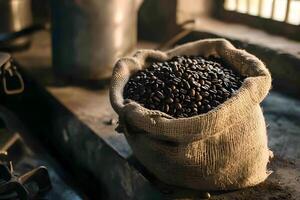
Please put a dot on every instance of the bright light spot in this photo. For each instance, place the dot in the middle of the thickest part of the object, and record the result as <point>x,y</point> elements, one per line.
<point>242,6</point>
<point>280,10</point>
<point>266,8</point>
<point>294,14</point>
<point>230,5</point>
<point>253,7</point>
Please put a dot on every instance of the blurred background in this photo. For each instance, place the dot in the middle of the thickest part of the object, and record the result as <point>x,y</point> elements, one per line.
<point>57,58</point>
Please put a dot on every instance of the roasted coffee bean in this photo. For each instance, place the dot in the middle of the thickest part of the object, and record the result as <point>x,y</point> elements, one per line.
<point>187,85</point>
<point>207,107</point>
<point>213,91</point>
<point>182,96</point>
<point>204,93</point>
<point>184,86</point>
<point>192,93</point>
<point>201,81</point>
<point>166,108</point>
<point>198,97</point>
<point>206,101</point>
<point>160,95</point>
<point>183,91</point>
<point>177,80</point>
<point>156,99</point>
<point>169,100</point>
<point>178,106</point>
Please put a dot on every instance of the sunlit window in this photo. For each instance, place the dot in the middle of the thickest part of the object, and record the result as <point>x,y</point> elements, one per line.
<point>294,14</point>
<point>280,10</point>
<point>242,6</point>
<point>266,8</point>
<point>280,7</point>
<point>254,8</point>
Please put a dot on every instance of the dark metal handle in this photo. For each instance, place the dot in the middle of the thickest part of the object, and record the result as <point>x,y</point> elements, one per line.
<point>14,91</point>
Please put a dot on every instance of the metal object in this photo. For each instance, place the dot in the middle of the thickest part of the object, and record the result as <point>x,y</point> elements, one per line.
<point>21,165</point>
<point>28,186</point>
<point>24,32</point>
<point>184,32</point>
<point>89,36</point>
<point>15,16</point>
<point>8,71</point>
<point>13,186</point>
<point>158,20</point>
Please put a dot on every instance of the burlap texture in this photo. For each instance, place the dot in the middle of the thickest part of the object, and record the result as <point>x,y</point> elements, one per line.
<point>223,149</point>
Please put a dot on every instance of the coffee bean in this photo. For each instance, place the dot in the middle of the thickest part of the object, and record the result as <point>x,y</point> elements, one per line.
<point>169,91</point>
<point>156,99</point>
<point>183,91</point>
<point>169,100</point>
<point>206,101</point>
<point>206,94</point>
<point>184,86</point>
<point>178,106</point>
<point>213,91</point>
<point>198,97</point>
<point>201,81</point>
<point>226,94</point>
<point>205,87</point>
<point>177,80</point>
<point>208,107</point>
<point>166,108</point>
<point>160,95</point>
<point>182,96</point>
<point>187,85</point>
<point>153,77</point>
<point>192,92</point>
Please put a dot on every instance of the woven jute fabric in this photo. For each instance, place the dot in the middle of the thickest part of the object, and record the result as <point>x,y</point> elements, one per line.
<point>223,149</point>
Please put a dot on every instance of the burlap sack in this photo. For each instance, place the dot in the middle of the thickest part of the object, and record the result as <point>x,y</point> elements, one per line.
<point>225,148</point>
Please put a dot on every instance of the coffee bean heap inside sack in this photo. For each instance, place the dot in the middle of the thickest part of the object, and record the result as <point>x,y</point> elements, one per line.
<point>183,86</point>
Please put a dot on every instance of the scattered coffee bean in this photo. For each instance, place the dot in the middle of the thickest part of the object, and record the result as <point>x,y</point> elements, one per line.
<point>184,86</point>
<point>111,121</point>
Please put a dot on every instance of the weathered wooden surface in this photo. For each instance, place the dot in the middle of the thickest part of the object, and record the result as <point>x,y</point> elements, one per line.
<point>91,111</point>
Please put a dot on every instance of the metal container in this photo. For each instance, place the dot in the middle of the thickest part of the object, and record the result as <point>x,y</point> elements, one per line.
<point>89,35</point>
<point>15,16</point>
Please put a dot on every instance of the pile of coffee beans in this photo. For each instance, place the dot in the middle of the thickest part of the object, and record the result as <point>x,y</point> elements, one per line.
<point>183,86</point>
